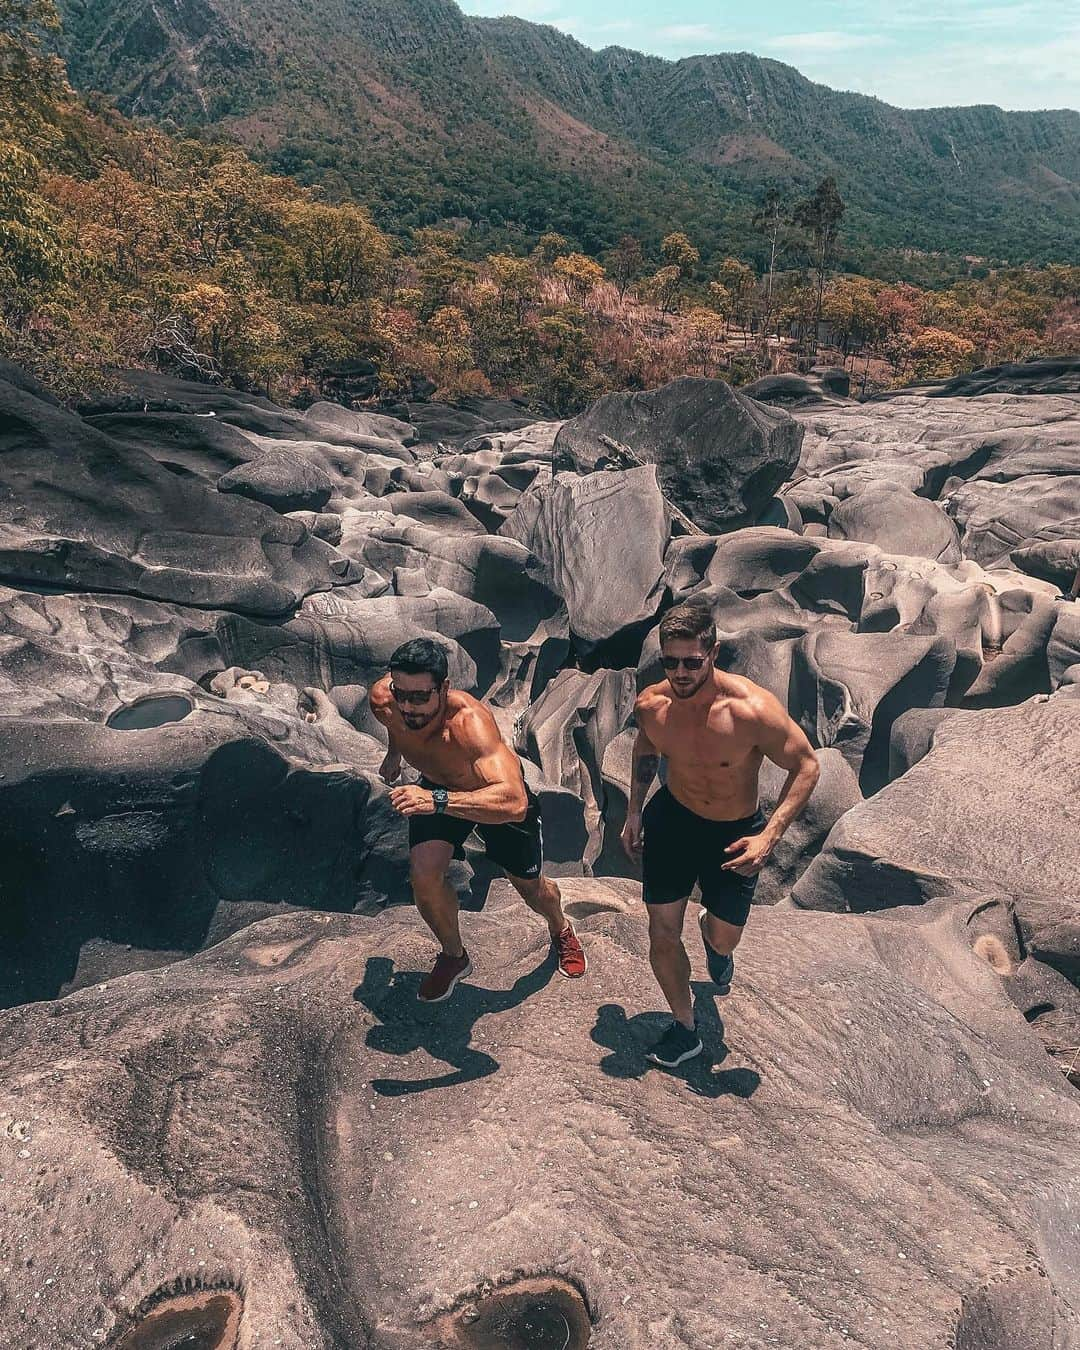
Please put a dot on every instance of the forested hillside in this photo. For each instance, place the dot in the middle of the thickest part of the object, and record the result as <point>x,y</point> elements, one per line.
<point>511,128</point>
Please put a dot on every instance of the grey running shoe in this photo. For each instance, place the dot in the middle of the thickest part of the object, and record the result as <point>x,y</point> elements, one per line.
<point>721,968</point>
<point>677,1044</point>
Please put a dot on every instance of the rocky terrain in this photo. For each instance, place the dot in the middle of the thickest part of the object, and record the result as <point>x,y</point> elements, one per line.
<point>225,1123</point>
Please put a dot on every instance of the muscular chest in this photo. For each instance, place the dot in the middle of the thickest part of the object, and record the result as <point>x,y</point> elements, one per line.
<point>706,743</point>
<point>437,758</point>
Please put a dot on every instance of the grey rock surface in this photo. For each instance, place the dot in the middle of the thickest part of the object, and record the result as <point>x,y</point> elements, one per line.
<point>988,807</point>
<point>602,538</point>
<point>924,1161</point>
<point>719,456</point>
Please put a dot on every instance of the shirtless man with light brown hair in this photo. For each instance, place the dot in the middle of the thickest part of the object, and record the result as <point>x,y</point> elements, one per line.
<point>704,826</point>
<point>471,779</point>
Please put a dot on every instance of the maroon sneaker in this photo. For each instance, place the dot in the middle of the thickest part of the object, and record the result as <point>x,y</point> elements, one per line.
<point>445,973</point>
<point>572,960</point>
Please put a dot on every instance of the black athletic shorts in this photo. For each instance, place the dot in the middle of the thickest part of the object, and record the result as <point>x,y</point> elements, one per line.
<point>517,846</point>
<point>681,848</point>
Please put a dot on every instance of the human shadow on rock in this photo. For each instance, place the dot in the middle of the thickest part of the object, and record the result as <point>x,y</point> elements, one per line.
<point>628,1039</point>
<point>443,1030</point>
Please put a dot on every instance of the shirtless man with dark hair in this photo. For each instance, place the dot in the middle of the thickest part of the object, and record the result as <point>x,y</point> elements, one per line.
<point>470,779</point>
<point>704,825</point>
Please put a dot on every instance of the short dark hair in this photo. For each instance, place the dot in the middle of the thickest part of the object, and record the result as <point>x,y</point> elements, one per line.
<point>689,622</point>
<point>421,656</point>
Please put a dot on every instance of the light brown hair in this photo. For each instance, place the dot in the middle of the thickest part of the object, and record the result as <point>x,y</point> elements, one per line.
<point>689,623</point>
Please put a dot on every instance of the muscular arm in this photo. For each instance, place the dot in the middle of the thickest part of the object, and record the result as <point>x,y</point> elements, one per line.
<point>784,742</point>
<point>502,799</point>
<point>381,702</point>
<point>644,764</point>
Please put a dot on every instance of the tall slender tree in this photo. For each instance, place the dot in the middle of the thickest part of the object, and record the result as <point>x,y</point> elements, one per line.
<point>820,216</point>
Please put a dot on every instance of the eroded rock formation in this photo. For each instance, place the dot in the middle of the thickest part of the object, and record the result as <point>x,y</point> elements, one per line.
<point>224,1120</point>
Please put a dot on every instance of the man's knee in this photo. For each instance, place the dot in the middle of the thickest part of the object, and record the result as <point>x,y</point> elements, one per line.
<point>665,933</point>
<point>428,880</point>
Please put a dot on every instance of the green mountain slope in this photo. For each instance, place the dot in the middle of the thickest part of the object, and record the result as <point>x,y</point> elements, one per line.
<point>432,116</point>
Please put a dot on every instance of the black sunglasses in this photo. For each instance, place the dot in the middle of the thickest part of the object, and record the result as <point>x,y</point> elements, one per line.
<point>411,697</point>
<point>690,662</point>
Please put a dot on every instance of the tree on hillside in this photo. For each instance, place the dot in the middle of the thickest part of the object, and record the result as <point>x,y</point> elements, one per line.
<point>741,284</point>
<point>769,220</point>
<point>438,267</point>
<point>580,276</point>
<point>339,257</point>
<point>662,288</point>
<point>820,216</point>
<point>549,247</point>
<point>31,84</point>
<point>677,251</point>
<point>627,261</point>
<point>708,330</point>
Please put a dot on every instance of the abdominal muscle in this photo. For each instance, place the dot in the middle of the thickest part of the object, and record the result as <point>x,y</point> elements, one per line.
<point>730,793</point>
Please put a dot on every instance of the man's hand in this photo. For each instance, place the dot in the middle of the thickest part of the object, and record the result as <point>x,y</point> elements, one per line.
<point>751,853</point>
<point>631,838</point>
<point>412,801</point>
<point>390,768</point>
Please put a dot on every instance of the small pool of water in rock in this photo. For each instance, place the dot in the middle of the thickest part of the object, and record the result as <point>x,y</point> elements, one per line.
<point>155,711</point>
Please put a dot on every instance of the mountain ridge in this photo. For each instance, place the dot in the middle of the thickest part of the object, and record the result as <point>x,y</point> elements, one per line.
<point>432,116</point>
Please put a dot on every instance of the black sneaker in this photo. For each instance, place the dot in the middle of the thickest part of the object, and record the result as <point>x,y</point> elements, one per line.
<point>721,968</point>
<point>675,1045</point>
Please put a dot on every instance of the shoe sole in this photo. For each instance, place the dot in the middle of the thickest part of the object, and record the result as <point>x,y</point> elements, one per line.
<point>721,989</point>
<point>674,1063</point>
<point>453,985</point>
<point>566,974</point>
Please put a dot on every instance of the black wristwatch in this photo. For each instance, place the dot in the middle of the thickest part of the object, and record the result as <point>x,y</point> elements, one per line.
<point>440,797</point>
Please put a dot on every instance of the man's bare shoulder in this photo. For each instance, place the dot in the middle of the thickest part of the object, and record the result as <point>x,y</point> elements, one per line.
<point>653,699</point>
<point>470,724</point>
<point>381,700</point>
<point>751,703</point>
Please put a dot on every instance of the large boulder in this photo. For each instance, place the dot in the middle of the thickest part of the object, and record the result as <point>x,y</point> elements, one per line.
<point>81,512</point>
<point>896,521</point>
<point>567,732</point>
<point>989,807</point>
<point>1048,375</point>
<point>470,625</point>
<point>602,538</point>
<point>283,481</point>
<point>275,1135</point>
<point>131,844</point>
<point>825,385</point>
<point>719,456</point>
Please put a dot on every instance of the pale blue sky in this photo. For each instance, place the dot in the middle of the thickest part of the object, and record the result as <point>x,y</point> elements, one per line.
<point>915,53</point>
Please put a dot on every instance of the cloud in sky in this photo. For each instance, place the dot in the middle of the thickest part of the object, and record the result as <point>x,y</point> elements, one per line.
<point>822,42</point>
<point>687,32</point>
<point>915,53</point>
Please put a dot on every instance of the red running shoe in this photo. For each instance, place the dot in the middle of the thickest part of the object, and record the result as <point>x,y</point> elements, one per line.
<point>445,974</point>
<point>572,960</point>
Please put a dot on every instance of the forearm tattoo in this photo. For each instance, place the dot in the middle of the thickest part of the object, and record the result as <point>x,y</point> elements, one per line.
<point>647,767</point>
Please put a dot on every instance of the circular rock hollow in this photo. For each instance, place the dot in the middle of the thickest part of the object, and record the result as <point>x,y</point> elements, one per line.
<point>535,1314</point>
<point>206,1319</point>
<point>153,711</point>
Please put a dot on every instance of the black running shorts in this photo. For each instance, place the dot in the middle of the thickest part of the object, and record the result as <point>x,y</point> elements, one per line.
<point>517,846</point>
<point>682,848</point>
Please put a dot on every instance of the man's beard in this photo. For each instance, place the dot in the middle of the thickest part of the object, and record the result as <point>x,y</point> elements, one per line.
<point>415,723</point>
<point>418,721</point>
<point>688,691</point>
